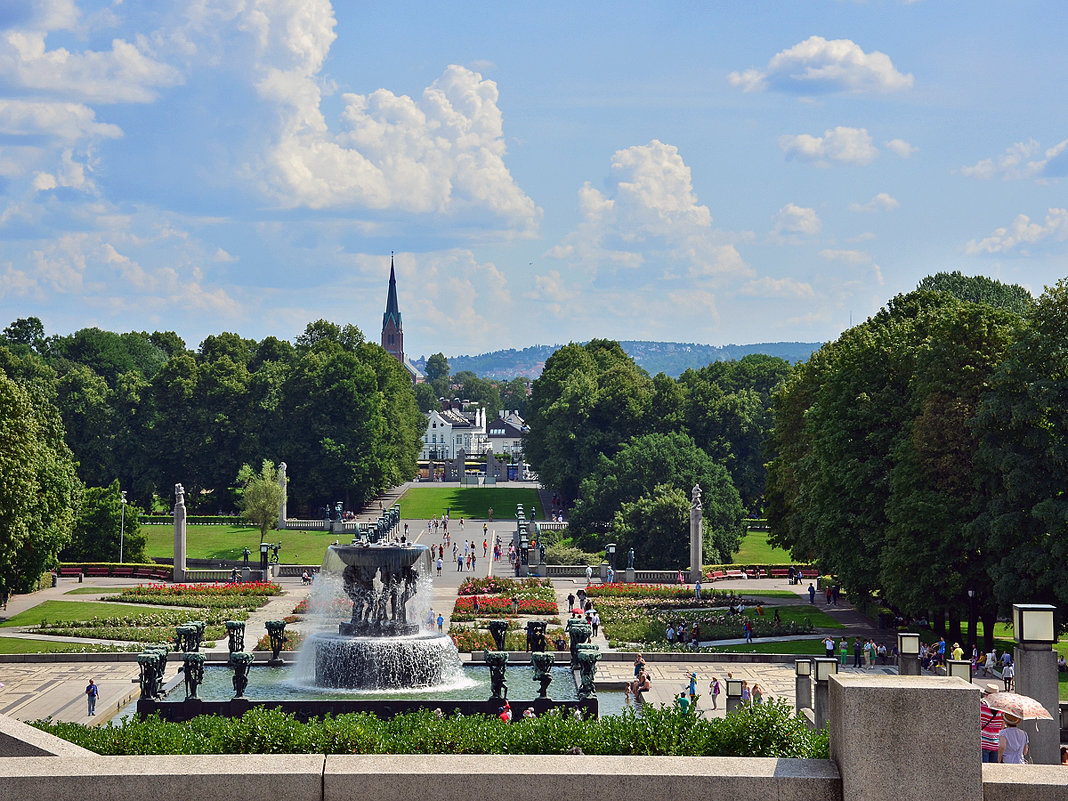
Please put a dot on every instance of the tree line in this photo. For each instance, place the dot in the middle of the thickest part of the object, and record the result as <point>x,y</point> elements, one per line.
<point>624,449</point>
<point>141,411</point>
<point>920,457</point>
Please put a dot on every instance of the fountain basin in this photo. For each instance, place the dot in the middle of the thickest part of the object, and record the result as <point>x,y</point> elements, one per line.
<point>380,663</point>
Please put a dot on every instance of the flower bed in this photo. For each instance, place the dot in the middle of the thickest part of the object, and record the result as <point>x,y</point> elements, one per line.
<point>474,640</point>
<point>292,642</point>
<point>626,621</point>
<point>659,591</point>
<point>496,606</point>
<point>251,595</point>
<point>522,588</point>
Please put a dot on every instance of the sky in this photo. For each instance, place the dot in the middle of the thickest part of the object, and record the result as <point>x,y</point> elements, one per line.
<point>721,173</point>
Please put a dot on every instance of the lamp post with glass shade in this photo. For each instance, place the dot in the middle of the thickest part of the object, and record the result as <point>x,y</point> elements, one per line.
<point>972,638</point>
<point>961,668</point>
<point>908,650</point>
<point>122,524</point>
<point>1036,675</point>
<point>825,668</point>
<point>803,684</point>
<point>734,694</point>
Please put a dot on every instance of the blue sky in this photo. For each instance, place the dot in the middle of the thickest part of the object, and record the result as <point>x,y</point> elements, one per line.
<point>546,172</point>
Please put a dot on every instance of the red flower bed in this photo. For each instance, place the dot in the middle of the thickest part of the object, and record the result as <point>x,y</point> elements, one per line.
<point>497,606</point>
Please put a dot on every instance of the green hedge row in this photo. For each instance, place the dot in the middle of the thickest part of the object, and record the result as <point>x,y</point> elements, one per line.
<point>195,520</point>
<point>766,730</point>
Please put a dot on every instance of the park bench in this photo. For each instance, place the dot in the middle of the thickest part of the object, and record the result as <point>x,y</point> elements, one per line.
<point>122,571</point>
<point>97,571</point>
<point>144,572</point>
<point>736,574</point>
<point>780,572</point>
<point>756,573</point>
<point>163,575</point>
<point>70,571</point>
<point>716,575</point>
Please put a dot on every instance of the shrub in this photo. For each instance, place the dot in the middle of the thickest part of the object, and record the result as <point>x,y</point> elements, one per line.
<point>766,730</point>
<point>568,555</point>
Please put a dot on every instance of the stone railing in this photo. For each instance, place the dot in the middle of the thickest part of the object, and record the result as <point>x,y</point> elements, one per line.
<point>320,525</point>
<point>870,761</point>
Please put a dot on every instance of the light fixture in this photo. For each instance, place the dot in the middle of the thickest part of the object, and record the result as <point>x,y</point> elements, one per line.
<point>908,644</point>
<point>1033,624</point>
<point>734,688</point>
<point>825,668</point>
<point>961,668</point>
<point>803,668</point>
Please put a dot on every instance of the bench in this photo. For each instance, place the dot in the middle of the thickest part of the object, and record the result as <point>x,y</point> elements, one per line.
<point>70,571</point>
<point>756,574</point>
<point>716,575</point>
<point>144,572</point>
<point>97,571</point>
<point>162,575</point>
<point>122,571</point>
<point>780,572</point>
<point>736,574</point>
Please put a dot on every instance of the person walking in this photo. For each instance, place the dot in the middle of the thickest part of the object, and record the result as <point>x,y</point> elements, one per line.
<point>92,691</point>
<point>714,691</point>
<point>858,653</point>
<point>811,593</point>
<point>1008,675</point>
<point>697,589</point>
<point>1012,741</point>
<point>589,575</point>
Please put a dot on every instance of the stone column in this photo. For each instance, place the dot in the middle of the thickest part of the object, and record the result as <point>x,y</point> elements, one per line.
<point>696,542</point>
<point>803,692</point>
<point>1036,676</point>
<point>822,706</point>
<point>908,665</point>
<point>283,482</point>
<point>896,737</point>
<point>179,533</point>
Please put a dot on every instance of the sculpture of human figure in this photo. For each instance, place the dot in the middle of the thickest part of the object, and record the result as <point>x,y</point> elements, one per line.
<point>179,495</point>
<point>247,554</point>
<point>696,494</point>
<point>630,559</point>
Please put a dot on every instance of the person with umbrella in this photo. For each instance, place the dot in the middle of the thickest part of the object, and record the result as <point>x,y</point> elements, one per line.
<point>1012,742</point>
<point>990,726</point>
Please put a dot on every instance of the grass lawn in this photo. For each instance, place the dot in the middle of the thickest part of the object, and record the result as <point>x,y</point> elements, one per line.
<point>228,542</point>
<point>94,591</point>
<point>18,645</point>
<point>796,614</point>
<point>756,551</point>
<point>470,502</point>
<point>53,611</point>
<point>813,646</point>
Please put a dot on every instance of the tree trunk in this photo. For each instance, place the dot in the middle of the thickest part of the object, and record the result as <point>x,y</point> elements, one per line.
<point>938,622</point>
<point>954,626</point>
<point>989,618</point>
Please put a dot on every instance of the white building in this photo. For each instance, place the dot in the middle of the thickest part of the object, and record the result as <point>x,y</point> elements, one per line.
<point>505,434</point>
<point>450,431</point>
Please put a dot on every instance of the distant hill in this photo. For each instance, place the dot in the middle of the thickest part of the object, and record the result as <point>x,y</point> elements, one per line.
<point>672,358</point>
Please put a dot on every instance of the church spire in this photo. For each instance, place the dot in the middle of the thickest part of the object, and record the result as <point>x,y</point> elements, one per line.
<point>392,308</point>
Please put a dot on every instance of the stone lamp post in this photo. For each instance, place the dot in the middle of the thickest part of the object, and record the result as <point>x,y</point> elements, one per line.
<point>803,684</point>
<point>825,668</point>
<point>1036,675</point>
<point>908,649</point>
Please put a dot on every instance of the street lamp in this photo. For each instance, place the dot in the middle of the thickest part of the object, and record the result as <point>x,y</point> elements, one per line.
<point>971,618</point>
<point>1033,624</point>
<point>908,650</point>
<point>122,524</point>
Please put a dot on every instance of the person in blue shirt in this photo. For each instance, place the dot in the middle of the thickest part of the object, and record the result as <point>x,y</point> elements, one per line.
<point>811,594</point>
<point>693,686</point>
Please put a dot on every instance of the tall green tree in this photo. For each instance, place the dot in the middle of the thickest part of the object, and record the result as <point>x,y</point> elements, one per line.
<point>657,527</point>
<point>261,495</point>
<point>669,459</point>
<point>39,489</point>
<point>102,529</point>
<point>1023,429</point>
<point>588,401</point>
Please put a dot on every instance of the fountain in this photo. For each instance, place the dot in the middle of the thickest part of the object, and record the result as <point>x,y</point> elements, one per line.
<point>387,642</point>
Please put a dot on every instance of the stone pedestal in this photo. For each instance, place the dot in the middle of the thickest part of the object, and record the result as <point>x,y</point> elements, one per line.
<point>629,578</point>
<point>246,574</point>
<point>282,481</point>
<point>934,733</point>
<point>1036,676</point>
<point>908,665</point>
<point>803,692</point>
<point>603,571</point>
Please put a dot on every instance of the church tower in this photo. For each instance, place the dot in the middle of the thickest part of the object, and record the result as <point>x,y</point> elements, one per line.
<point>392,329</point>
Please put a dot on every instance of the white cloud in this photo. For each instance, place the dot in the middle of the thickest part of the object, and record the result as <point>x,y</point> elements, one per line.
<point>1023,232</point>
<point>839,145</point>
<point>900,147</point>
<point>848,256</point>
<point>1023,160</point>
<point>124,74</point>
<point>818,65</point>
<point>881,202</point>
<point>768,287</point>
<point>68,121</point>
<point>792,219</point>
<point>648,217</point>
